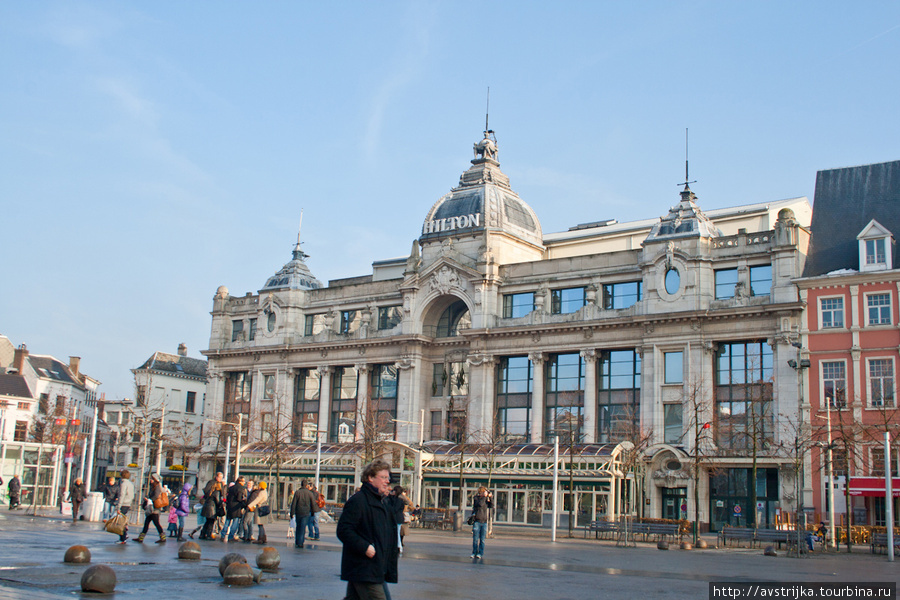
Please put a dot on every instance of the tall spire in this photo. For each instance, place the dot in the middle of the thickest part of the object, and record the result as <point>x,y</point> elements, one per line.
<point>299,254</point>
<point>687,177</point>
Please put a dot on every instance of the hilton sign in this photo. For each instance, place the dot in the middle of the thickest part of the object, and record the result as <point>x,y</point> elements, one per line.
<point>451,224</point>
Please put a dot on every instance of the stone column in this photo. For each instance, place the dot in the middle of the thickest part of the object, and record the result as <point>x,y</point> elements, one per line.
<point>363,418</point>
<point>590,395</point>
<point>285,401</point>
<point>325,372</point>
<point>537,396</point>
<point>481,377</point>
<point>409,400</point>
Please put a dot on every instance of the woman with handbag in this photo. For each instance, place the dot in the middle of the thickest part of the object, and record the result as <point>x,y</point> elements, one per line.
<point>153,503</point>
<point>212,506</point>
<point>259,508</point>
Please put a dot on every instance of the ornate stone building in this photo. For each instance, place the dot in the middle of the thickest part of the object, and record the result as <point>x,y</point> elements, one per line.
<point>494,334</point>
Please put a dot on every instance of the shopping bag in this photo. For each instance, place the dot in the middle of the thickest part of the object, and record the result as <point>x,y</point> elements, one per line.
<point>66,509</point>
<point>117,524</point>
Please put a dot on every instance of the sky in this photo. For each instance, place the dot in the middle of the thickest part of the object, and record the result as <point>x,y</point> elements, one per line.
<point>153,151</point>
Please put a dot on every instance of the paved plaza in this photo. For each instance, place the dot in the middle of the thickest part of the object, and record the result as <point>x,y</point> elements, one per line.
<point>436,564</point>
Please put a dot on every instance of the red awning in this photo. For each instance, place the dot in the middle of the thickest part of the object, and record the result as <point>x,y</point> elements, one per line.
<point>873,486</point>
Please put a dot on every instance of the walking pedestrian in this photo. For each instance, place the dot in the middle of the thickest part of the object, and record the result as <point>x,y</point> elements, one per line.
<point>235,503</point>
<point>213,504</point>
<point>153,503</point>
<point>303,505</point>
<point>313,525</point>
<point>13,488</point>
<point>248,520</point>
<point>183,508</point>
<point>481,504</point>
<point>368,530</point>
<point>77,495</point>
<point>110,491</point>
<point>125,499</point>
<point>259,505</point>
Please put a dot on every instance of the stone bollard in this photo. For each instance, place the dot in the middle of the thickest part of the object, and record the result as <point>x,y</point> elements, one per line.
<point>268,559</point>
<point>686,546</point>
<point>238,573</point>
<point>189,551</point>
<point>662,545</point>
<point>100,579</point>
<point>770,551</point>
<point>702,545</point>
<point>78,554</point>
<point>231,557</point>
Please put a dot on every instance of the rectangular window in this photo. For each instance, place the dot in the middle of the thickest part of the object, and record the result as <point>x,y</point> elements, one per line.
<point>564,397</point>
<point>875,252</point>
<point>518,305</point>
<point>832,311</point>
<point>514,400</point>
<point>436,425</point>
<point>566,300</point>
<point>24,406</point>
<point>761,280</point>
<point>726,280</point>
<point>834,384</point>
<point>314,325</point>
<point>457,426</point>
<point>458,379</point>
<point>344,389</point>
<point>878,308</point>
<point>21,431</point>
<point>672,417</point>
<point>743,388</point>
<point>251,335</point>
<point>389,316</point>
<point>674,364</point>
<point>621,295</point>
<point>306,406</point>
<point>268,387</point>
<point>237,397</point>
<point>170,458</point>
<point>438,378</point>
<point>881,382</point>
<point>349,322</point>
<point>112,418</point>
<point>619,387</point>
<point>191,402</point>
<point>382,405</point>
<point>237,331</point>
<point>140,396</point>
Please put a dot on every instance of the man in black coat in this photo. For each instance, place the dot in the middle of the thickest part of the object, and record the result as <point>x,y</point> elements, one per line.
<point>303,504</point>
<point>235,502</point>
<point>13,488</point>
<point>368,531</point>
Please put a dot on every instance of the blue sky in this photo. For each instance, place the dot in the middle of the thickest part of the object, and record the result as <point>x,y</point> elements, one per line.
<point>153,151</point>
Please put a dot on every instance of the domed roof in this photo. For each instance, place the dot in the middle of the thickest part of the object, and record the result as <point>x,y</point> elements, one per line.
<point>294,275</point>
<point>483,200</point>
<point>685,220</point>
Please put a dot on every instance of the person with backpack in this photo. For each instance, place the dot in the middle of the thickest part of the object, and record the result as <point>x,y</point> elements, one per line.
<point>155,501</point>
<point>183,508</point>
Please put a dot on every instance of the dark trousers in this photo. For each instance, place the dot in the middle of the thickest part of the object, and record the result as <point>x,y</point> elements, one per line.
<point>300,530</point>
<point>360,590</point>
<point>124,510</point>
<point>207,530</point>
<point>75,507</point>
<point>152,518</point>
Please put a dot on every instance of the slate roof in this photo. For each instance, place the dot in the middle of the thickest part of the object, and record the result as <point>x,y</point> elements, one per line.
<point>845,201</point>
<point>50,368</point>
<point>175,365</point>
<point>14,385</point>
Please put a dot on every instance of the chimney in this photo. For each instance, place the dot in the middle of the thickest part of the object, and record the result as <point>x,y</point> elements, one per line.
<point>74,363</point>
<point>182,349</point>
<point>19,358</point>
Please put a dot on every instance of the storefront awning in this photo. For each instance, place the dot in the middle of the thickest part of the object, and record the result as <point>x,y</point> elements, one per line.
<point>873,486</point>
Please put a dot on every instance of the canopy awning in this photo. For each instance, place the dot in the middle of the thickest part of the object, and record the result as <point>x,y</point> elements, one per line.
<point>873,487</point>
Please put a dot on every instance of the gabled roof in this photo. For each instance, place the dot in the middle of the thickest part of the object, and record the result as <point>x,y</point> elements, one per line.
<point>873,230</point>
<point>175,365</point>
<point>50,368</point>
<point>846,201</point>
<point>14,385</point>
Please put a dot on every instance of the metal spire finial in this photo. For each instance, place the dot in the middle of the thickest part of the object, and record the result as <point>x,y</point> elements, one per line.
<point>687,177</point>
<point>487,112</point>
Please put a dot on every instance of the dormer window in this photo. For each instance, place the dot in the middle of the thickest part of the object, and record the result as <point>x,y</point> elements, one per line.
<point>875,248</point>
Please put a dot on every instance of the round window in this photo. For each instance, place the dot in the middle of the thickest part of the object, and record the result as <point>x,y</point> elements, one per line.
<point>673,281</point>
<point>270,323</point>
<point>673,465</point>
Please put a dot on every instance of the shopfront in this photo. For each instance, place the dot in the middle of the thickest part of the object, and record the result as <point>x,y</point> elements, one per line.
<point>732,502</point>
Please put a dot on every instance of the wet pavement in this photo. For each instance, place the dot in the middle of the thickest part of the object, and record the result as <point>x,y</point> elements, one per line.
<point>436,564</point>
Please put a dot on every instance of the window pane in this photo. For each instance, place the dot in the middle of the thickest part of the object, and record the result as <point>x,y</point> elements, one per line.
<point>726,279</point>
<point>674,364</point>
<point>832,312</point>
<point>517,305</point>
<point>672,414</point>
<point>621,295</point>
<point>760,280</point>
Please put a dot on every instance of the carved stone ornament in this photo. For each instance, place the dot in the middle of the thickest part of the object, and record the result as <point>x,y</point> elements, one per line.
<point>536,357</point>
<point>405,363</point>
<point>536,337</point>
<point>589,355</point>
<point>478,359</point>
<point>444,280</point>
<point>648,328</point>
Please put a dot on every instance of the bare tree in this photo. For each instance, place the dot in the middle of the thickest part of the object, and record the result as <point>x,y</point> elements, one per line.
<point>699,431</point>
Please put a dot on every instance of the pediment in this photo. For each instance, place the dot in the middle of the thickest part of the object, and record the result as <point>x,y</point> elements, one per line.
<point>874,230</point>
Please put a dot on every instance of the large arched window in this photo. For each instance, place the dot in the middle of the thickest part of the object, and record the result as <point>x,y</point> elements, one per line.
<point>454,319</point>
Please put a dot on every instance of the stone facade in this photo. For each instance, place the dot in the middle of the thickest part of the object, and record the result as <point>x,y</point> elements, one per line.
<point>491,330</point>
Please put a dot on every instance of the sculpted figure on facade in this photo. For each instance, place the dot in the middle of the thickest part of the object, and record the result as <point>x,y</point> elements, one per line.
<point>444,280</point>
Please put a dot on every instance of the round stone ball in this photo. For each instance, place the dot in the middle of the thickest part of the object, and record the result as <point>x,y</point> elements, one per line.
<point>701,544</point>
<point>100,579</point>
<point>268,559</point>
<point>231,557</point>
<point>686,546</point>
<point>78,554</point>
<point>770,551</point>
<point>189,551</point>
<point>662,545</point>
<point>238,574</point>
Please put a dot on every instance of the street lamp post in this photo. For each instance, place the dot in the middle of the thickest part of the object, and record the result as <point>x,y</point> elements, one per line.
<point>554,434</point>
<point>239,426</point>
<point>799,365</point>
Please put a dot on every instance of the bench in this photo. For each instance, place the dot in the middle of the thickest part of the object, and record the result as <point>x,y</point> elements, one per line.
<point>738,534</point>
<point>602,528</point>
<point>879,540</point>
<point>433,520</point>
<point>657,531</point>
<point>779,536</point>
